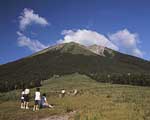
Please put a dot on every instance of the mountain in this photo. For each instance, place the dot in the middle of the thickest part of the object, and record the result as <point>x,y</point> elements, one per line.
<point>94,61</point>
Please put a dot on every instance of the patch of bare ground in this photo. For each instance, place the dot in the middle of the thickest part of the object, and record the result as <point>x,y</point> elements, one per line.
<point>60,117</point>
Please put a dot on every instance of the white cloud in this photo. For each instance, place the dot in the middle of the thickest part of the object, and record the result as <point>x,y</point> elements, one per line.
<point>19,33</point>
<point>127,42</point>
<point>86,37</point>
<point>33,45</point>
<point>123,40</point>
<point>28,17</point>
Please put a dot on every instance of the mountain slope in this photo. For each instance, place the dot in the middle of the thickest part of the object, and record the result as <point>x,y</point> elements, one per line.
<point>65,59</point>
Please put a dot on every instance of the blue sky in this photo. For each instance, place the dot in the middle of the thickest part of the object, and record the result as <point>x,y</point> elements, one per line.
<point>122,25</point>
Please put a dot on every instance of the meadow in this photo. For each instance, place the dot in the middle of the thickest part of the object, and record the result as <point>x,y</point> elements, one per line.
<point>95,101</point>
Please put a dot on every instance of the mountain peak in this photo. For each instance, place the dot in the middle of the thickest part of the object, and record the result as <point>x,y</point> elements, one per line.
<point>76,48</point>
<point>71,47</point>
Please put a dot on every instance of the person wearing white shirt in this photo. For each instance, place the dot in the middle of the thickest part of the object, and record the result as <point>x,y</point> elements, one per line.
<point>37,99</point>
<point>63,92</point>
<point>26,98</point>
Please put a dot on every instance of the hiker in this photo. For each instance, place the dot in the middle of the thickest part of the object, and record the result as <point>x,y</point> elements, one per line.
<point>37,99</point>
<point>44,103</point>
<point>22,99</point>
<point>62,94</point>
<point>26,98</point>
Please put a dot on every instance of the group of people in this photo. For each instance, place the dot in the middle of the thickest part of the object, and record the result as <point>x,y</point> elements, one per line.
<point>39,101</point>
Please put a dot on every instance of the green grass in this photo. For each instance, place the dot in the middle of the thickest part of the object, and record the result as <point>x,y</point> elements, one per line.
<point>95,101</point>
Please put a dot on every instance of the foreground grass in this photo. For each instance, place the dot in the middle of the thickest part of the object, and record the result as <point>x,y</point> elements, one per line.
<point>95,101</point>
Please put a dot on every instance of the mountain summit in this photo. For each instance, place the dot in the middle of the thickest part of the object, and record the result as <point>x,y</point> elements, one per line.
<point>76,48</point>
<point>68,58</point>
<point>72,48</point>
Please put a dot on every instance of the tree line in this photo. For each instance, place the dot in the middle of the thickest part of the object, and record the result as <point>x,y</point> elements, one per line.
<point>114,78</point>
<point>126,78</point>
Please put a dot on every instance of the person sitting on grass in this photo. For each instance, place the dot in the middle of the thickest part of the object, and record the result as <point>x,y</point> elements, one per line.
<point>44,103</point>
<point>22,99</point>
<point>37,99</point>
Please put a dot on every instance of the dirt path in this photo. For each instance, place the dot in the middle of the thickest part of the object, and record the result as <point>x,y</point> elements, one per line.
<point>61,117</point>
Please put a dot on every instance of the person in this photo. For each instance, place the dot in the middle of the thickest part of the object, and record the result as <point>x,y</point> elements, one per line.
<point>26,98</point>
<point>22,99</point>
<point>37,99</point>
<point>62,94</point>
<point>44,103</point>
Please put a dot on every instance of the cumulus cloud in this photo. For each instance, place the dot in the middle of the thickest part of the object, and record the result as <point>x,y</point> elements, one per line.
<point>123,40</point>
<point>127,42</point>
<point>28,17</point>
<point>33,45</point>
<point>86,37</point>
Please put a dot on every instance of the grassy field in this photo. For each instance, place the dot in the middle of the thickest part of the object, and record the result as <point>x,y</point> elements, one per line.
<point>95,101</point>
